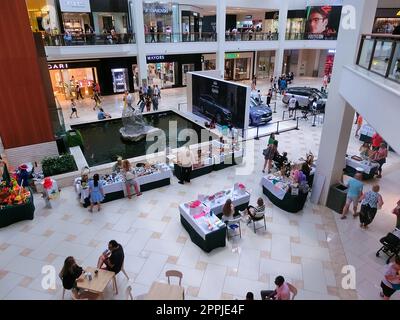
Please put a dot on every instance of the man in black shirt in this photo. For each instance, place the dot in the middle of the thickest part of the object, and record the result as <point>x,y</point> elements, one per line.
<point>113,258</point>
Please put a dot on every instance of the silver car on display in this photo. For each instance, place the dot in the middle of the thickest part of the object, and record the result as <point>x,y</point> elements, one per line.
<point>305,97</point>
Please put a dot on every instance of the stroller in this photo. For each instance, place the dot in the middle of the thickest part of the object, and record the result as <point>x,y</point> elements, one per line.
<point>391,244</point>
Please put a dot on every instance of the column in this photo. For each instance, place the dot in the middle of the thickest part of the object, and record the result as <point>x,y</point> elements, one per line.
<point>138,21</point>
<point>339,114</point>
<point>316,62</point>
<point>221,22</point>
<point>283,12</point>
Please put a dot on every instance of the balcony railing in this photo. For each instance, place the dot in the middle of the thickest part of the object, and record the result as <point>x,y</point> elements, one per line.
<point>180,37</point>
<point>88,39</point>
<point>251,36</point>
<point>380,53</point>
<point>308,36</point>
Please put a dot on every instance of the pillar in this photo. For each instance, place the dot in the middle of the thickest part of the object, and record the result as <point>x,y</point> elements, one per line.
<point>25,123</point>
<point>279,53</point>
<point>221,22</point>
<point>137,15</point>
<point>339,114</point>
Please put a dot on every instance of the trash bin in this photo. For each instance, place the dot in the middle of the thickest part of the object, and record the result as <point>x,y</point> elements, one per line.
<point>337,197</point>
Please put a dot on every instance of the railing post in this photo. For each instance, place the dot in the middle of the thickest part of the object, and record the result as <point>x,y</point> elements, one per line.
<point>277,127</point>
<point>283,115</point>
<point>275,107</point>
<point>297,123</point>
<point>315,115</point>
<point>257,137</point>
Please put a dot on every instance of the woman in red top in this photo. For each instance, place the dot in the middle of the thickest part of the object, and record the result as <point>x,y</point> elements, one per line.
<point>376,141</point>
<point>380,156</point>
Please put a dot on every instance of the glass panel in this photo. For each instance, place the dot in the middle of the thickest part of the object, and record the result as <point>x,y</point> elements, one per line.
<point>380,62</point>
<point>366,53</point>
<point>394,72</point>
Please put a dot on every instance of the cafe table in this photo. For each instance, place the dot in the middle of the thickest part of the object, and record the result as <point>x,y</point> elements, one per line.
<point>165,291</point>
<point>98,283</point>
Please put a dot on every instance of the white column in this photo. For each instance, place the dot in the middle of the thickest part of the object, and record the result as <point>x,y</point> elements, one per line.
<point>138,20</point>
<point>317,61</point>
<point>221,22</point>
<point>283,11</point>
<point>339,114</point>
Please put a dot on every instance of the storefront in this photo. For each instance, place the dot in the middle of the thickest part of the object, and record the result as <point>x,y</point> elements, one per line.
<point>43,15</point>
<point>75,16</point>
<point>108,15</point>
<point>209,61</point>
<point>238,66</point>
<point>271,22</point>
<point>265,64</point>
<point>296,23</point>
<point>191,25</point>
<point>169,71</point>
<point>386,20</point>
<point>161,21</point>
<point>114,75</point>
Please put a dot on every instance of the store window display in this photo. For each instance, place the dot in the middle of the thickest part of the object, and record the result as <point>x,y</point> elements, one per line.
<point>43,16</point>
<point>159,21</point>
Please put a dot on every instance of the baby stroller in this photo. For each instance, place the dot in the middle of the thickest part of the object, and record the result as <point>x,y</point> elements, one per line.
<point>391,244</point>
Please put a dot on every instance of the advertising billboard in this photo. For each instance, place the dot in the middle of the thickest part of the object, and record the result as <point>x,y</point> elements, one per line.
<point>322,22</point>
<point>222,100</point>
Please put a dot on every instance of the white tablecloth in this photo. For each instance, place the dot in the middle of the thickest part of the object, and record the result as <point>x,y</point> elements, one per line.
<point>237,200</point>
<point>156,176</point>
<point>362,164</point>
<point>276,191</point>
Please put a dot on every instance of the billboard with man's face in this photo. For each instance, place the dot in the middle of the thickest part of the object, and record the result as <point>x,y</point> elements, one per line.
<point>323,22</point>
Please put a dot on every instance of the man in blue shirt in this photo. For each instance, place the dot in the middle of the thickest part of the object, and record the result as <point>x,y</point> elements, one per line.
<point>354,191</point>
<point>101,115</point>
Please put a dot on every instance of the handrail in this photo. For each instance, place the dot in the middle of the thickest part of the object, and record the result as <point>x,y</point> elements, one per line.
<point>381,35</point>
<point>154,37</point>
<point>251,36</point>
<point>88,39</point>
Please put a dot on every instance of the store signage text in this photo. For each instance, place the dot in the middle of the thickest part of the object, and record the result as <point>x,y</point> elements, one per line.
<point>156,10</point>
<point>75,6</point>
<point>58,66</point>
<point>155,58</point>
<point>232,55</point>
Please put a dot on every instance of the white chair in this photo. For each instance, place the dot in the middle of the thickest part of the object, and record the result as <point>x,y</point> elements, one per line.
<point>292,289</point>
<point>258,217</point>
<point>128,293</point>
<point>232,225</point>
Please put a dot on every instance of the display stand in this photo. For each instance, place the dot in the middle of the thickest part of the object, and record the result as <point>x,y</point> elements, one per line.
<point>13,214</point>
<point>370,169</point>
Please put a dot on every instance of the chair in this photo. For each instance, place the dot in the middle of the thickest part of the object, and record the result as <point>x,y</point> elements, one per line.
<point>293,290</point>
<point>233,224</point>
<point>258,217</point>
<point>128,293</point>
<point>174,273</point>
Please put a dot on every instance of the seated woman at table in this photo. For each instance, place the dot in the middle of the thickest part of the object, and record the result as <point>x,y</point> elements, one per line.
<point>254,212</point>
<point>70,274</point>
<point>113,258</point>
<point>365,150</point>
<point>228,211</point>
<point>305,168</point>
<point>96,192</point>
<point>130,179</point>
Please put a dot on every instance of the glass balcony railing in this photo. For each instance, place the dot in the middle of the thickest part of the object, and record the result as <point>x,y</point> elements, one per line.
<point>88,39</point>
<point>163,37</point>
<point>251,36</point>
<point>380,53</point>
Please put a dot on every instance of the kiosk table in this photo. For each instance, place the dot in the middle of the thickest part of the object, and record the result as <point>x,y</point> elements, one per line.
<point>281,196</point>
<point>370,168</point>
<point>15,213</point>
<point>239,200</point>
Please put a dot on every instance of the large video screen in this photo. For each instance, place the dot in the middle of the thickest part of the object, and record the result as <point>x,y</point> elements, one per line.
<point>323,22</point>
<point>221,100</point>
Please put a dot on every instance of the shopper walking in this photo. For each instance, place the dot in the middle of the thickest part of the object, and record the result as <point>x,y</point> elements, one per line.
<point>269,155</point>
<point>152,32</point>
<point>391,280</point>
<point>155,102</point>
<point>79,92</point>
<point>97,100</point>
<point>292,105</point>
<point>359,124</point>
<point>73,109</point>
<point>185,162</point>
<point>380,156</point>
<point>148,103</point>
<point>269,97</point>
<point>158,91</point>
<point>354,191</point>
<point>371,201</point>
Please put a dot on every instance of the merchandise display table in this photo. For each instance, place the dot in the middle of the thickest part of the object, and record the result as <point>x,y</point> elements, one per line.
<point>370,167</point>
<point>114,185</point>
<point>197,171</point>
<point>278,191</point>
<point>226,155</point>
<point>15,213</point>
<point>366,133</point>
<point>203,223</point>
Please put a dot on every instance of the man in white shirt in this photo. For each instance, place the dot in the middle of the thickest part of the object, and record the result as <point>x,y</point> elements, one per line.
<point>185,162</point>
<point>292,105</point>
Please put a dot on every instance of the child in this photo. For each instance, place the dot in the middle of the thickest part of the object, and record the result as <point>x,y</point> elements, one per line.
<point>73,108</point>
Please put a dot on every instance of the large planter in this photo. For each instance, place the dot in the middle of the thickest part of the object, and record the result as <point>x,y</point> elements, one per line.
<point>13,214</point>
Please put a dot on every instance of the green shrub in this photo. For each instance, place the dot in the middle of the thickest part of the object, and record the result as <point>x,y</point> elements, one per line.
<point>57,165</point>
<point>74,138</point>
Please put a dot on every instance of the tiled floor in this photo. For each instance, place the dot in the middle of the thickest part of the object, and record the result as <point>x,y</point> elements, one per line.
<point>309,248</point>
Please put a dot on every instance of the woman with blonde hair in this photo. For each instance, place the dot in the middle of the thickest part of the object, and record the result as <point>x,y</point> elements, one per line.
<point>130,179</point>
<point>371,201</point>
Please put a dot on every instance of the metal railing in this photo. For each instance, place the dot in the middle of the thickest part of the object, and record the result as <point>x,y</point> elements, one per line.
<point>278,129</point>
<point>163,37</point>
<point>87,39</point>
<point>251,36</point>
<point>380,53</point>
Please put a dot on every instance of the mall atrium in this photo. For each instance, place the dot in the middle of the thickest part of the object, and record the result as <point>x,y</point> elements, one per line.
<point>212,150</point>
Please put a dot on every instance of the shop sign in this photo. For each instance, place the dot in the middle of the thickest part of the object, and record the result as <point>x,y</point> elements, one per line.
<point>248,17</point>
<point>75,6</point>
<point>156,9</point>
<point>58,66</point>
<point>232,55</point>
<point>155,58</point>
